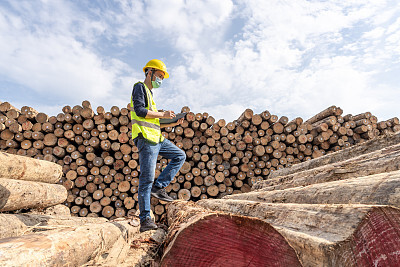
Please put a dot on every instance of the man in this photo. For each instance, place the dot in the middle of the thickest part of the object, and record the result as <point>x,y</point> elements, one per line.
<point>146,132</point>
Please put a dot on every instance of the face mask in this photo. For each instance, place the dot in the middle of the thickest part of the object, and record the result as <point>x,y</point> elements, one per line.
<point>157,83</point>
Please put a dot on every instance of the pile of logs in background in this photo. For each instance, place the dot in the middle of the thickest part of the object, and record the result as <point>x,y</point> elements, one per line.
<point>100,162</point>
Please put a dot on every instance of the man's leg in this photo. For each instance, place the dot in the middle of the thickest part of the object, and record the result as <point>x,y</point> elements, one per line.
<point>147,159</point>
<point>170,151</point>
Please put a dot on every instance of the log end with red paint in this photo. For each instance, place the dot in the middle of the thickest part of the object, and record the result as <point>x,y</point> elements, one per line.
<point>375,242</point>
<point>229,240</point>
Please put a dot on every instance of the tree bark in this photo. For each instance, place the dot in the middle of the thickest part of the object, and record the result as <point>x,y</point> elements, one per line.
<point>139,252</point>
<point>384,160</point>
<point>323,114</point>
<point>199,237</point>
<point>18,194</point>
<point>354,151</point>
<point>24,168</point>
<point>19,224</point>
<point>379,189</point>
<point>328,235</point>
<point>57,210</point>
<point>73,246</point>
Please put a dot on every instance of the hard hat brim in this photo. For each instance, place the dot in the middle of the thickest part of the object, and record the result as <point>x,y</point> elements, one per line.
<point>166,74</point>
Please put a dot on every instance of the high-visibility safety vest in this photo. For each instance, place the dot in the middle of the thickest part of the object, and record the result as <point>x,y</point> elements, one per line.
<point>150,128</point>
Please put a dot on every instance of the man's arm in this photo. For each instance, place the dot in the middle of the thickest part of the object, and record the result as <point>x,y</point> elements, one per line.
<point>139,100</point>
<point>139,105</point>
<point>161,115</point>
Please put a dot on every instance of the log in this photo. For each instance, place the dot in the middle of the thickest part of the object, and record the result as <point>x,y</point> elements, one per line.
<point>246,115</point>
<point>363,148</point>
<point>24,168</point>
<point>308,229</point>
<point>29,112</point>
<point>384,160</point>
<point>72,246</point>
<point>57,210</point>
<point>42,117</point>
<point>192,240</point>
<point>139,252</point>
<point>18,194</point>
<point>386,191</point>
<point>322,115</point>
<point>6,106</point>
<point>20,224</point>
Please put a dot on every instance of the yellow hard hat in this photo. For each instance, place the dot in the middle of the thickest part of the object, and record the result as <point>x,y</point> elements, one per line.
<point>158,65</point>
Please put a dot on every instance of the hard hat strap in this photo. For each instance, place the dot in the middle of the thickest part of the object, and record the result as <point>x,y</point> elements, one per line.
<point>152,74</point>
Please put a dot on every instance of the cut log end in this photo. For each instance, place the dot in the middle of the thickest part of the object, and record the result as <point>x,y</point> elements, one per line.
<point>378,234</point>
<point>226,240</point>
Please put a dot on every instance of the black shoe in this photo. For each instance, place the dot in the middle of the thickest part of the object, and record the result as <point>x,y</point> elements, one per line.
<point>161,194</point>
<point>147,225</point>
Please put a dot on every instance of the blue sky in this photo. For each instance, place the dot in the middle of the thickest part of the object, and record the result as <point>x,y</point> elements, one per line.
<point>293,58</point>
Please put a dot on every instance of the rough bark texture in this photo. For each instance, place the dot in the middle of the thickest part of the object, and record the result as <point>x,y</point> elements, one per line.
<point>384,160</point>
<point>354,151</point>
<point>382,189</point>
<point>20,224</point>
<point>323,114</point>
<point>29,169</point>
<point>72,246</point>
<point>57,210</point>
<point>328,235</point>
<point>199,237</point>
<point>18,194</point>
<point>141,251</point>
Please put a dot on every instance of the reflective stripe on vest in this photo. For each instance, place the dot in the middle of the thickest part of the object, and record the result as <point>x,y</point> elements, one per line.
<point>150,127</point>
<point>146,124</point>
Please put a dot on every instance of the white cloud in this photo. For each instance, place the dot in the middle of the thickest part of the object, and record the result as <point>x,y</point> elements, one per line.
<point>289,59</point>
<point>189,23</point>
<point>49,57</point>
<point>375,33</point>
<point>293,58</point>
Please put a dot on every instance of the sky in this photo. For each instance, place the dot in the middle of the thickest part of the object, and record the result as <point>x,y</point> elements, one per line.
<point>292,58</point>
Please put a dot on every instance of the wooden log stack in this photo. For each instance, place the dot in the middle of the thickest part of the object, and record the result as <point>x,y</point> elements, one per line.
<point>327,235</point>
<point>100,162</point>
<point>31,239</point>
<point>27,183</point>
<point>373,157</point>
<point>344,209</point>
<point>68,245</point>
<point>340,205</point>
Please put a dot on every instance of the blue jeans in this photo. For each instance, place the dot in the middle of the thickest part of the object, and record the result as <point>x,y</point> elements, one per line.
<point>148,153</point>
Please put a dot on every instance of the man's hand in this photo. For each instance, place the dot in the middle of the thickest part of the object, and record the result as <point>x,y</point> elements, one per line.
<point>179,122</point>
<point>173,124</point>
<point>169,114</point>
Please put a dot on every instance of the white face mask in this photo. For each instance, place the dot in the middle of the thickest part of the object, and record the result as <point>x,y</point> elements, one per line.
<point>157,83</point>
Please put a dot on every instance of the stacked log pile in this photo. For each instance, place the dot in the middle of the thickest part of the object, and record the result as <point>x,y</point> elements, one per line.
<point>329,234</point>
<point>344,208</point>
<point>100,162</point>
<point>372,178</point>
<point>29,239</point>
<point>27,183</point>
<point>70,242</point>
